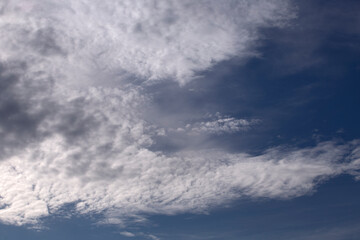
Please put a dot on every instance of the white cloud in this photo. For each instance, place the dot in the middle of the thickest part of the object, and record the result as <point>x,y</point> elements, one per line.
<point>130,180</point>
<point>94,42</point>
<point>90,145</point>
<point>153,237</point>
<point>127,234</point>
<point>220,125</point>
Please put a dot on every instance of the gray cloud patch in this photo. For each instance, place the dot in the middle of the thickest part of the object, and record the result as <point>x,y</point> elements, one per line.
<point>20,114</point>
<point>44,41</point>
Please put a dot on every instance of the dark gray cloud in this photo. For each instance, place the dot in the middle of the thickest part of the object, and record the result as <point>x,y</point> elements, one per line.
<point>21,116</point>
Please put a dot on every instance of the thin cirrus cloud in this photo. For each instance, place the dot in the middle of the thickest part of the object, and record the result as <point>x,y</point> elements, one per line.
<point>70,138</point>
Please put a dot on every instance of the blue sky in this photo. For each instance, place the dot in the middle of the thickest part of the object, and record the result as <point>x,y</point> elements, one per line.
<point>180,120</point>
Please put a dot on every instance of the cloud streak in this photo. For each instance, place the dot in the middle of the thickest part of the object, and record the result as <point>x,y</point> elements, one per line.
<point>221,125</point>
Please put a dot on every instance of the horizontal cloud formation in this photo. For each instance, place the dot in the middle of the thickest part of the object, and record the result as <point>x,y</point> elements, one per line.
<point>74,129</point>
<point>136,180</point>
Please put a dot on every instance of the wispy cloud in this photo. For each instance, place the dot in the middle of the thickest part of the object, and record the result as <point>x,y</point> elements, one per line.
<point>127,234</point>
<point>220,125</point>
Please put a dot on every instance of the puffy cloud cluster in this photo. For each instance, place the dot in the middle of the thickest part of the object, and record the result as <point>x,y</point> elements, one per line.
<point>72,126</point>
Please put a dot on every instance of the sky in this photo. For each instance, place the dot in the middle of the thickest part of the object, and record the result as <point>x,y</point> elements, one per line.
<point>234,119</point>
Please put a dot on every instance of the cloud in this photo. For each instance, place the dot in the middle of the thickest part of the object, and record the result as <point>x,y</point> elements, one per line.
<point>220,125</point>
<point>127,234</point>
<point>135,180</point>
<point>75,128</point>
<point>147,236</point>
<point>21,108</point>
<point>97,41</point>
<point>150,236</point>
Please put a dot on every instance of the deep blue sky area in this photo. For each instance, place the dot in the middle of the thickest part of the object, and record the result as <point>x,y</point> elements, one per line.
<point>304,86</point>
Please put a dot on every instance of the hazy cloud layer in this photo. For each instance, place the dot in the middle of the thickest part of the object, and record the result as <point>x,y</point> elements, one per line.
<point>74,127</point>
